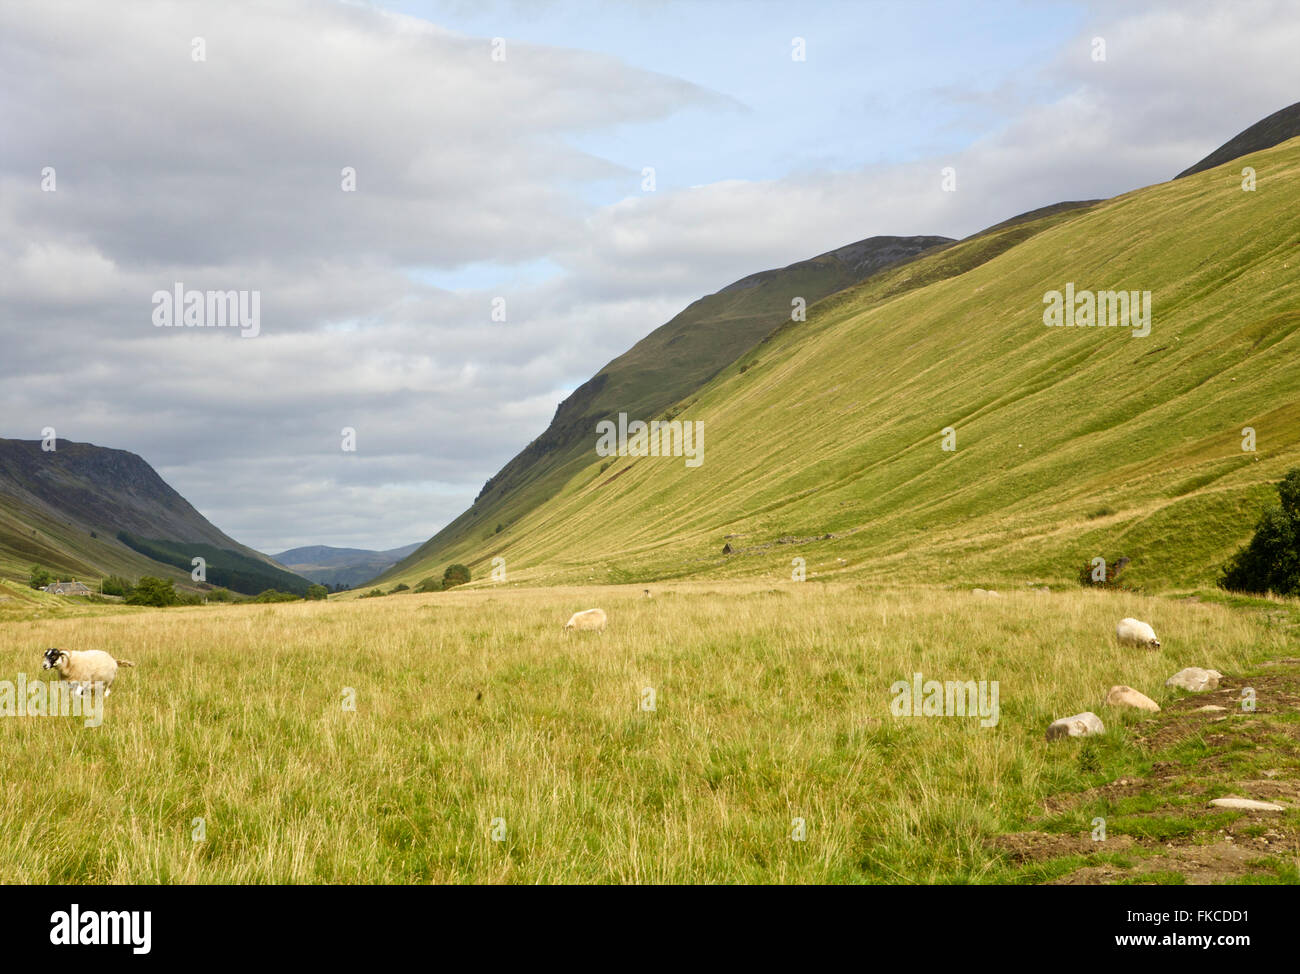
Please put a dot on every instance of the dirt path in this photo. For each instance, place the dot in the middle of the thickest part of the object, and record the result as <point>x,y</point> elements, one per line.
<point>1160,827</point>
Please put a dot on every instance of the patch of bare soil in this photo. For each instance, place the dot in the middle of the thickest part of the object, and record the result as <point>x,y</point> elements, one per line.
<point>1250,844</point>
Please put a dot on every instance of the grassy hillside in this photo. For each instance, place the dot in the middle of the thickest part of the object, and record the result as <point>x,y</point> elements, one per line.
<point>84,511</point>
<point>772,703</point>
<point>671,362</point>
<point>823,442</point>
<point>1264,134</point>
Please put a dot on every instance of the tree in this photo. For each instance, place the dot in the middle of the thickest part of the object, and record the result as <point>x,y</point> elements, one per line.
<point>153,591</point>
<point>274,595</point>
<point>455,575</point>
<point>116,585</point>
<point>40,577</point>
<point>1270,562</point>
<point>317,592</point>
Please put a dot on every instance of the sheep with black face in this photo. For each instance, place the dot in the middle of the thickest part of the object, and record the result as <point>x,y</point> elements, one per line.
<point>84,668</point>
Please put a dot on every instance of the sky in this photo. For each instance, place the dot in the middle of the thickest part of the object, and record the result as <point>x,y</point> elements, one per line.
<point>499,153</point>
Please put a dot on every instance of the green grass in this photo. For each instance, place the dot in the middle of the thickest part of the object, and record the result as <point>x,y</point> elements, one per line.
<point>772,704</point>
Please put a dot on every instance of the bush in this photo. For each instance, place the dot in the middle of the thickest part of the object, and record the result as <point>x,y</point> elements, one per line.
<point>40,577</point>
<point>316,593</point>
<point>116,585</point>
<point>153,591</point>
<point>374,593</point>
<point>430,584</point>
<point>1270,562</point>
<point>399,587</point>
<point>221,595</point>
<point>272,595</point>
<point>1113,571</point>
<point>455,575</point>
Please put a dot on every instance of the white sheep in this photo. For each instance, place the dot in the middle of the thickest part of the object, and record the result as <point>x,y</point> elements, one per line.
<point>587,619</point>
<point>83,669</point>
<point>1131,632</point>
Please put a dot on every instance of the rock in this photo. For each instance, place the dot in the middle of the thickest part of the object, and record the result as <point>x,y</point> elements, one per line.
<point>978,591</point>
<point>1247,804</point>
<point>1122,696</point>
<point>1085,724</point>
<point>1209,708</point>
<point>1195,679</point>
<point>727,549</point>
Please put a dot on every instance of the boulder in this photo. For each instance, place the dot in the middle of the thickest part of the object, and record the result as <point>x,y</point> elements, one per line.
<point>1195,679</point>
<point>1209,708</point>
<point>1085,724</point>
<point>1247,804</point>
<point>1122,696</point>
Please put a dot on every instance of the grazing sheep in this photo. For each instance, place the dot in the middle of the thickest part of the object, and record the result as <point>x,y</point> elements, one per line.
<point>84,669</point>
<point>587,619</point>
<point>1131,632</point>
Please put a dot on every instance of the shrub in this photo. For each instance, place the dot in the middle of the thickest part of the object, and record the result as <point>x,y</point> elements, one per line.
<point>273,595</point>
<point>455,575</point>
<point>116,585</point>
<point>316,593</point>
<point>399,587</point>
<point>1113,571</point>
<point>430,584</point>
<point>153,591</point>
<point>221,595</point>
<point>1270,562</point>
<point>374,593</point>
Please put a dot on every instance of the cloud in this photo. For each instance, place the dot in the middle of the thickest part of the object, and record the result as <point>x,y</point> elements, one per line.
<point>226,174</point>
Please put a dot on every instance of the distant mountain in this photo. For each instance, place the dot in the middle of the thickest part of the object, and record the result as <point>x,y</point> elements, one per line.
<point>1264,134</point>
<point>348,567</point>
<point>87,511</point>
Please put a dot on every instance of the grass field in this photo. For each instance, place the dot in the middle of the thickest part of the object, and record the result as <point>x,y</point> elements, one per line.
<point>772,704</point>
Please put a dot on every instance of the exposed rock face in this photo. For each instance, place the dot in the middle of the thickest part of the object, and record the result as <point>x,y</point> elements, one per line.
<point>1195,679</point>
<point>1124,696</point>
<point>1085,724</point>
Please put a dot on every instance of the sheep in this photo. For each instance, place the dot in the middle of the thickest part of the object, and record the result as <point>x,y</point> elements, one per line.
<point>83,669</point>
<point>1131,632</point>
<point>587,619</point>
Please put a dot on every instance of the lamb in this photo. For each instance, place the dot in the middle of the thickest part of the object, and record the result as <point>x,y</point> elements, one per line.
<point>83,669</point>
<point>587,619</point>
<point>1131,632</point>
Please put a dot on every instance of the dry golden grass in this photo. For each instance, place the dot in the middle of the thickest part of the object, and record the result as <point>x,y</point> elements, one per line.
<point>772,704</point>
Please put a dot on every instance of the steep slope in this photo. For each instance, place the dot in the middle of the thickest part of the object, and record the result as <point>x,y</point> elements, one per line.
<point>88,511</point>
<point>341,566</point>
<point>1264,134</point>
<point>668,364</point>
<point>824,442</point>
